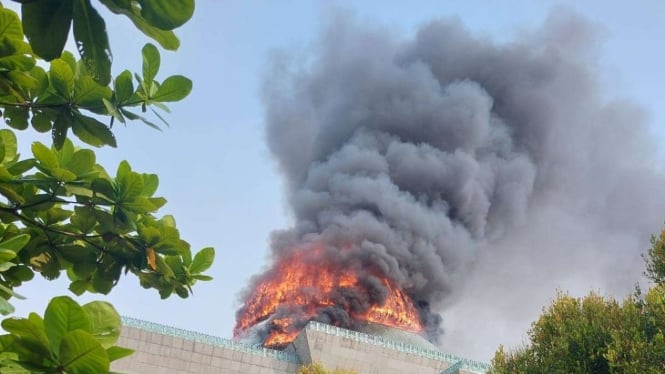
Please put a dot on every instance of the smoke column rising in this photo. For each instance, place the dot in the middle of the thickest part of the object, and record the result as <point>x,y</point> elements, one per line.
<point>478,176</point>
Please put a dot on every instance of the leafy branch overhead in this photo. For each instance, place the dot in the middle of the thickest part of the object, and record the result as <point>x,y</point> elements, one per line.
<point>65,213</point>
<point>47,25</point>
<point>60,211</point>
<point>70,338</point>
<point>68,95</point>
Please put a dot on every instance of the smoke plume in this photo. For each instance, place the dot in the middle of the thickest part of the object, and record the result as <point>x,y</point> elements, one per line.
<point>479,176</point>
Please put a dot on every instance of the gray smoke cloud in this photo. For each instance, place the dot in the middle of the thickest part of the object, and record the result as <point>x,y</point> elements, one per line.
<point>479,176</point>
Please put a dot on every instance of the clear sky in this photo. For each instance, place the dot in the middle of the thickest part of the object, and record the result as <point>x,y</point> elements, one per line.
<point>215,170</point>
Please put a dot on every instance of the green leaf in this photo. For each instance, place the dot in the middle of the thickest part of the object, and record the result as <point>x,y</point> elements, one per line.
<point>11,25</point>
<point>9,291</point>
<point>176,263</point>
<point>92,41</point>
<point>150,184</point>
<point>92,131</point>
<point>102,285</point>
<point>45,156</point>
<point>129,185</point>
<point>46,23</point>
<point>4,266</point>
<point>23,80</point>
<point>16,117</point>
<point>78,287</point>
<point>113,111</point>
<point>161,106</point>
<point>15,243</point>
<point>63,315</point>
<point>77,253</point>
<point>6,255</point>
<point>5,307</point>
<point>40,76</point>
<point>164,268</point>
<point>61,125</point>
<point>65,153</point>
<point>84,269</point>
<point>202,277</point>
<point>116,353</point>
<point>168,221</point>
<point>14,55</point>
<point>10,193</point>
<point>167,15</point>
<point>81,353</point>
<point>106,323</point>
<point>82,162</point>
<point>150,235</point>
<point>165,290</point>
<point>69,58</point>
<point>202,260</point>
<point>46,264</point>
<point>8,145</point>
<point>157,202</point>
<point>150,63</point>
<point>88,93</point>
<point>63,175</point>
<point>20,273</point>
<point>104,187</point>
<point>134,116</point>
<point>56,215</point>
<point>182,292</point>
<point>139,205</point>
<point>31,332</point>
<point>18,168</point>
<point>62,78</point>
<point>166,39</point>
<point>14,368</point>
<point>124,87</point>
<point>174,88</point>
<point>12,350</point>
<point>40,121</point>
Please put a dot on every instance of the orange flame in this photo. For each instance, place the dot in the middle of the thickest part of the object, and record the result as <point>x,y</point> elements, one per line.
<point>303,283</point>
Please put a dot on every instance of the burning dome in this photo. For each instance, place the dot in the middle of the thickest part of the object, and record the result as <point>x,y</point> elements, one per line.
<point>324,284</point>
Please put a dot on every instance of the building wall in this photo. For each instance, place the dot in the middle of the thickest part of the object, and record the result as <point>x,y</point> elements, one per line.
<point>166,350</point>
<point>334,347</point>
<point>334,351</point>
<point>175,351</point>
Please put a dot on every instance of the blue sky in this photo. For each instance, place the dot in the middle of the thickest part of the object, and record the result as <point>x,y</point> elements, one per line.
<point>214,167</point>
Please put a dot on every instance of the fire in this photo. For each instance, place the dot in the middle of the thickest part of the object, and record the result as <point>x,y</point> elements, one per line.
<point>305,283</point>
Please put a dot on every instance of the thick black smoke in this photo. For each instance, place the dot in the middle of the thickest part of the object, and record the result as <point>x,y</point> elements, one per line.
<point>455,164</point>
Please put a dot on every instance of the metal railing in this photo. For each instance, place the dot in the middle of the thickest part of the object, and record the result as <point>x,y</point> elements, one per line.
<point>453,369</point>
<point>209,339</point>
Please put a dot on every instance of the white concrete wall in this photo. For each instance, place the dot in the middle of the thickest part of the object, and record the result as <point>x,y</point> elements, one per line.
<point>345,353</point>
<point>165,354</point>
<point>165,350</point>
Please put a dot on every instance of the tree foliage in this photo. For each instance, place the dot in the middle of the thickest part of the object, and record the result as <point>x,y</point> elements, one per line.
<point>69,338</point>
<point>655,259</point>
<point>60,211</point>
<point>66,213</point>
<point>595,334</point>
<point>68,95</point>
<point>48,23</point>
